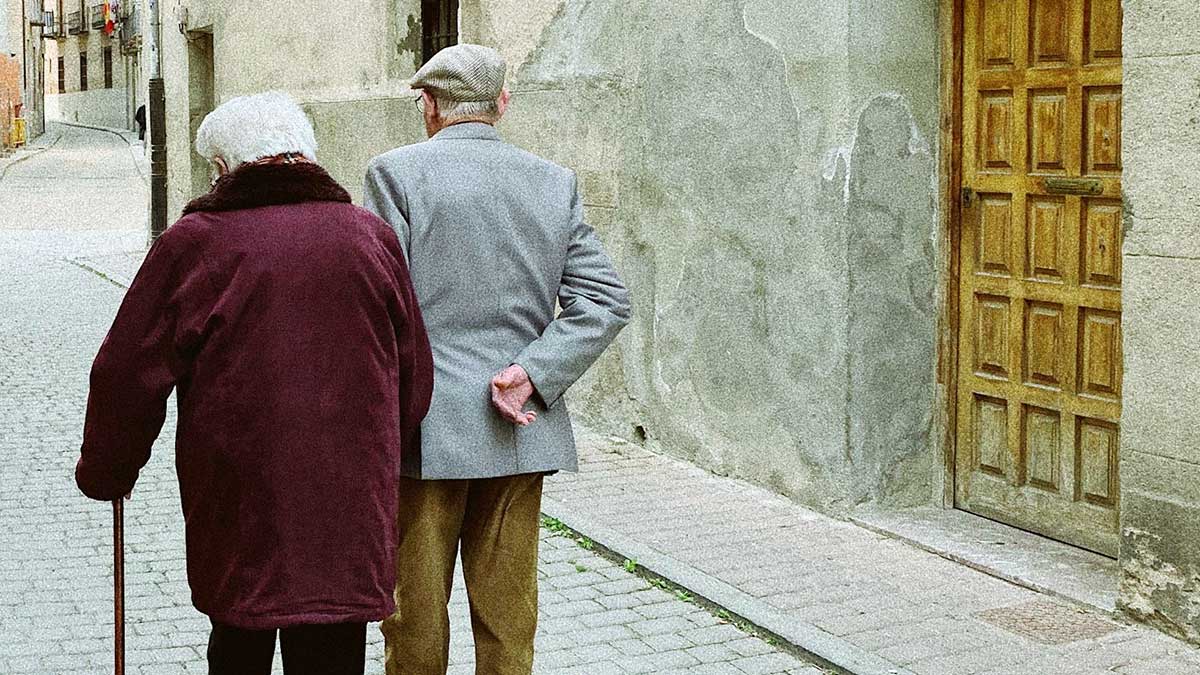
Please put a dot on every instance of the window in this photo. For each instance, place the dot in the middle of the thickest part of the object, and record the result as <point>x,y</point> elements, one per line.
<point>439,26</point>
<point>82,72</point>
<point>108,68</point>
<point>62,75</point>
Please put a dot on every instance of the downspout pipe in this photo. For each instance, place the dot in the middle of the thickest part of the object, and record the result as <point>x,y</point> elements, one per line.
<point>158,129</point>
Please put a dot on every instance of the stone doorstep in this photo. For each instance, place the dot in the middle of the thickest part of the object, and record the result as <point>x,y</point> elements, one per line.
<point>1018,557</point>
<point>826,650</point>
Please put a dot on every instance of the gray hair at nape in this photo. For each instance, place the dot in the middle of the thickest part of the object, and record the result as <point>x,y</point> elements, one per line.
<point>452,111</point>
<point>249,128</point>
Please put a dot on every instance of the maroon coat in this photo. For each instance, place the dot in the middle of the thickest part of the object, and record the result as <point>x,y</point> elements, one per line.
<point>285,318</point>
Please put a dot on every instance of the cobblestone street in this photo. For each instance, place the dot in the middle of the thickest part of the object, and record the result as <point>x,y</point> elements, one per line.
<point>83,200</point>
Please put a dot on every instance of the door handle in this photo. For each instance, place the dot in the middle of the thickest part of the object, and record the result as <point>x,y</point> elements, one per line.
<point>968,197</point>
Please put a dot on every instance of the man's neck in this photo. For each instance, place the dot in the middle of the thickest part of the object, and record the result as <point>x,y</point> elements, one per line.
<point>469,120</point>
<point>463,120</point>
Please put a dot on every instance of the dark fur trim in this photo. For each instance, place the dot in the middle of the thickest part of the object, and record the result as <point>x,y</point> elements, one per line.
<point>254,185</point>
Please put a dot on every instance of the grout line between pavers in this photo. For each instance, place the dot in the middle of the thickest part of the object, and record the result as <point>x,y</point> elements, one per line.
<point>78,262</point>
<point>824,648</point>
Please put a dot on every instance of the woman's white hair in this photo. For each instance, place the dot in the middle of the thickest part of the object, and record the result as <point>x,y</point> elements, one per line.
<point>249,128</point>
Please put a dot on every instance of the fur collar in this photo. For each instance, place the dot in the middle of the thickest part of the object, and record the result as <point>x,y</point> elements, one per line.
<point>254,185</point>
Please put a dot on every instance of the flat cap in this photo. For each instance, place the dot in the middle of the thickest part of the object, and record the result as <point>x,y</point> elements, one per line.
<point>463,73</point>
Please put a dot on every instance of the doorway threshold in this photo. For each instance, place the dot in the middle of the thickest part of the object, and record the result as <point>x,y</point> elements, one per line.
<point>1017,556</point>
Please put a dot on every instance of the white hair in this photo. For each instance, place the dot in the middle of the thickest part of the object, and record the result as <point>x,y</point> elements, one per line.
<point>452,111</point>
<point>249,128</point>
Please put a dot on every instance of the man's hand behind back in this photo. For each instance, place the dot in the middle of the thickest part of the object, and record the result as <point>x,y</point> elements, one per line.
<point>511,390</point>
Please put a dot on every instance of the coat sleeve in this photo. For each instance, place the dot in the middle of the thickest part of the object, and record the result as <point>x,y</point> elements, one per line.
<point>595,307</point>
<point>138,364</point>
<point>385,197</point>
<point>416,357</point>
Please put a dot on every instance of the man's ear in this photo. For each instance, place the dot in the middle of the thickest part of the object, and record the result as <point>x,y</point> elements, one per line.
<point>502,102</point>
<point>431,106</point>
<point>222,166</point>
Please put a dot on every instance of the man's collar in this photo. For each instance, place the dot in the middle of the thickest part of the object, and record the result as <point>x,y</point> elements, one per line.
<point>477,131</point>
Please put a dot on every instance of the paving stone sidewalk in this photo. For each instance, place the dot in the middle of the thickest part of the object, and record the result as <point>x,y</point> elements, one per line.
<point>860,599</point>
<point>63,264</point>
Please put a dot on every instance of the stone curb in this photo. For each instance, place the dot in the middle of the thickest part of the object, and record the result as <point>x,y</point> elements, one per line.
<point>825,649</point>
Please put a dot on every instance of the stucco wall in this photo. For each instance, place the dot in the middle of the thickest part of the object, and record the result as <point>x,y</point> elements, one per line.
<point>1160,447</point>
<point>345,72</point>
<point>763,171</point>
<point>102,107</point>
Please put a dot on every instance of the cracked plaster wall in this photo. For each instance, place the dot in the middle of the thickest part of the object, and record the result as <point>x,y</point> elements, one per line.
<point>763,172</point>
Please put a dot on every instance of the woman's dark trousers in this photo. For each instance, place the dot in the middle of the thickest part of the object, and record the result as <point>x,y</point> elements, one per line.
<point>336,649</point>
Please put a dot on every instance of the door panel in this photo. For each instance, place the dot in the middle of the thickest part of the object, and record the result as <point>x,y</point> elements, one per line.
<point>1039,381</point>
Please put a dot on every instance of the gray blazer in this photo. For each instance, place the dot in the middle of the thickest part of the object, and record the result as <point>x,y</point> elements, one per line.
<point>494,237</point>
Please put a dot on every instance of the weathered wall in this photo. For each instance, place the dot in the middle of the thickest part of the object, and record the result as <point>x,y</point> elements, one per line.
<point>763,172</point>
<point>1160,448</point>
<point>102,107</point>
<point>345,72</point>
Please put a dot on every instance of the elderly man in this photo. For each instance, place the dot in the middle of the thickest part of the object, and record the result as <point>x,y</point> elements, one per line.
<point>495,237</point>
<point>285,318</point>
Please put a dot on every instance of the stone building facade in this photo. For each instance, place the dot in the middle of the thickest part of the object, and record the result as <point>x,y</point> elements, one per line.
<point>92,77</point>
<point>920,252</point>
<point>21,49</point>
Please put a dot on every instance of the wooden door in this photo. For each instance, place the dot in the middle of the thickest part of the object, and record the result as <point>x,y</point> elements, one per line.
<point>1039,377</point>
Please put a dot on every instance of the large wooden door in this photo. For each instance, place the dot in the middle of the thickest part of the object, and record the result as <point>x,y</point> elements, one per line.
<point>1039,381</point>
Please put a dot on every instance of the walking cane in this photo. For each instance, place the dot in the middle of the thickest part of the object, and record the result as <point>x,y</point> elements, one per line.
<point>119,584</point>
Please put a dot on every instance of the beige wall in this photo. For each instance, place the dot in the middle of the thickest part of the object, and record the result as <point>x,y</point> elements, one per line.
<point>763,171</point>
<point>1160,446</point>
<point>344,67</point>
<point>100,107</point>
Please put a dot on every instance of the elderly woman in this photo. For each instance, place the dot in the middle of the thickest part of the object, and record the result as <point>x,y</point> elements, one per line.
<point>285,318</point>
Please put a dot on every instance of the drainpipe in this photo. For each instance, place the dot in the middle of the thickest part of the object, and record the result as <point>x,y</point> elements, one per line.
<point>158,129</point>
<point>25,55</point>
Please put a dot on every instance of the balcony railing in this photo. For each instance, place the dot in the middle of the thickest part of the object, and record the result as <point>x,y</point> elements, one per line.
<point>75,24</point>
<point>130,27</point>
<point>52,27</point>
<point>97,12</point>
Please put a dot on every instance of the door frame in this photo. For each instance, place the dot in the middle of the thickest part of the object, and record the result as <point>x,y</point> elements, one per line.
<point>950,138</point>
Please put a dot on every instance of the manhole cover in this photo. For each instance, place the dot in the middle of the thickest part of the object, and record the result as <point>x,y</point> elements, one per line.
<point>1049,623</point>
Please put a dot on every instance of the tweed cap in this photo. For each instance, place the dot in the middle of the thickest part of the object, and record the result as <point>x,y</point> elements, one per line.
<point>463,73</point>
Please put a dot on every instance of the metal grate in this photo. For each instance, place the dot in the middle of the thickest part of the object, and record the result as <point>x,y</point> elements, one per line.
<point>1048,622</point>
<point>439,26</point>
